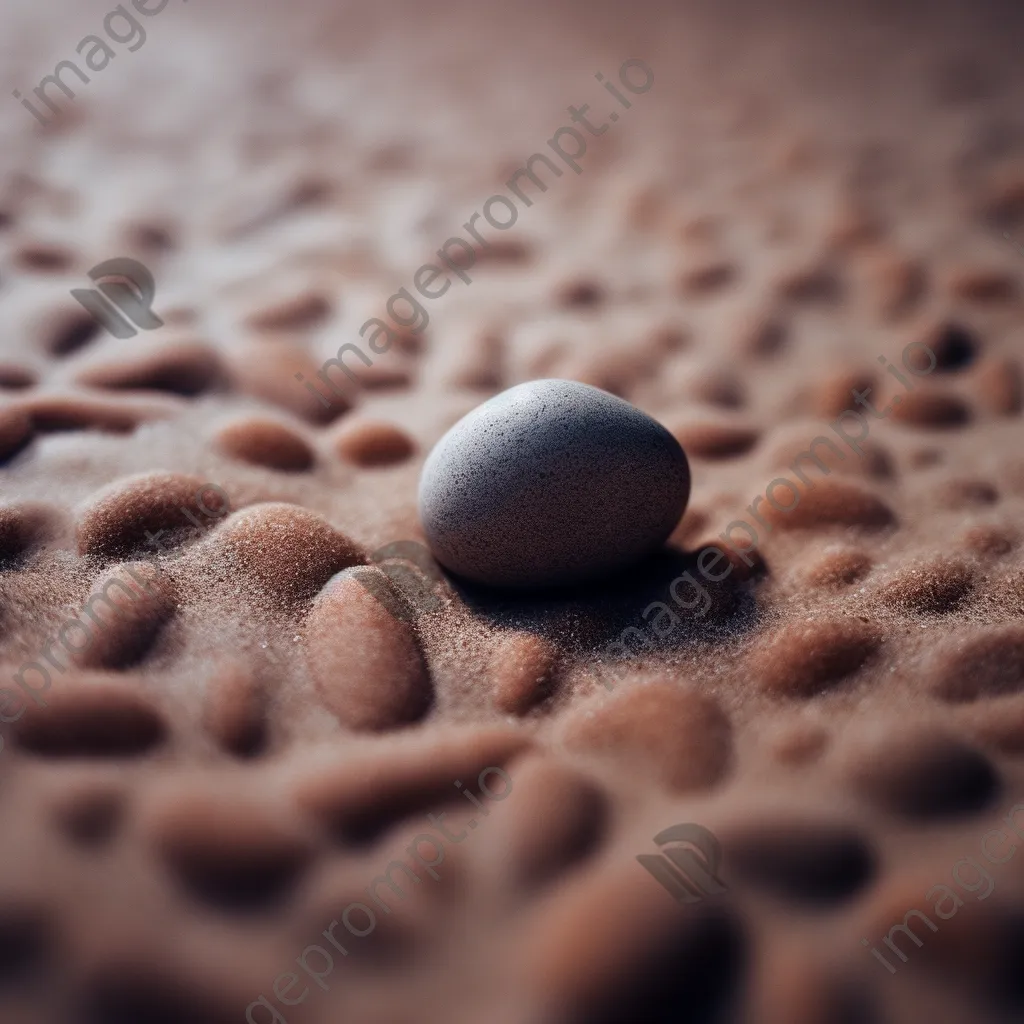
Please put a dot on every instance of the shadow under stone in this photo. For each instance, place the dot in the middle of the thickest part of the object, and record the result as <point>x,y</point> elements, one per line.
<point>681,606</point>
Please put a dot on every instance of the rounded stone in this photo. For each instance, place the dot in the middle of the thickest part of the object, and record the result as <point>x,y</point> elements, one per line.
<point>550,483</point>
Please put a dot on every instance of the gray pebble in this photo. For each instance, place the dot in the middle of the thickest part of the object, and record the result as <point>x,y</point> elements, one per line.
<point>551,482</point>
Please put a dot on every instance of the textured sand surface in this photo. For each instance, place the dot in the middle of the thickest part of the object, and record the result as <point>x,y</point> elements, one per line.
<point>241,751</point>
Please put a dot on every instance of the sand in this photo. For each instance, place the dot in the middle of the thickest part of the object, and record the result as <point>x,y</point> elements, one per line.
<point>193,796</point>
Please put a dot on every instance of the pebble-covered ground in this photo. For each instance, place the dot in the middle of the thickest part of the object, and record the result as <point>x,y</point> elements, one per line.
<point>220,772</point>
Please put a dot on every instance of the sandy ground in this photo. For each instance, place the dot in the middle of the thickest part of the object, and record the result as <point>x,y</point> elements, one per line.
<point>204,790</point>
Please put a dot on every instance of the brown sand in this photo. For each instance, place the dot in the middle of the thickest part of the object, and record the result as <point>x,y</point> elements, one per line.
<point>806,187</point>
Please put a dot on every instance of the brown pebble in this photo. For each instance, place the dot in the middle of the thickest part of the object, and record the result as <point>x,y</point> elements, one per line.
<point>68,331</point>
<point>964,493</point>
<point>923,588</point>
<point>719,387</point>
<point>895,284</point>
<point>90,810</point>
<point>715,440</point>
<point>806,658</point>
<point>15,377</point>
<point>151,234</point>
<point>295,313</point>
<point>979,284</point>
<point>138,983</point>
<point>919,773</point>
<point>580,294</point>
<point>999,386</point>
<point>761,337</point>
<point>361,794</point>
<point>671,732</point>
<point>268,369</point>
<point>828,503</point>
<point>416,920</point>
<point>15,431</point>
<point>231,849</point>
<point>384,375</point>
<point>980,957</point>
<point>327,895</point>
<point>370,444</point>
<point>20,527</point>
<point>930,409</point>
<point>366,664</point>
<point>505,251</point>
<point>999,724</point>
<point>116,522</point>
<point>45,258</point>
<point>850,227</point>
<point>834,396</point>
<point>182,367</point>
<point>954,346</point>
<point>614,372</point>
<point>875,460</point>
<point>884,913</point>
<point>92,715</point>
<point>810,284</point>
<point>793,985</point>
<point>987,663</point>
<point>708,277</point>
<point>523,667</point>
<point>611,946</point>
<point>107,414</point>
<point>666,337</point>
<point>263,442</point>
<point>552,820</point>
<point>283,549</point>
<point>925,458</point>
<point>702,228</point>
<point>234,710</point>
<point>1003,199</point>
<point>798,859</point>
<point>479,364</point>
<point>838,567</point>
<point>124,612</point>
<point>988,540</point>
<point>800,745</point>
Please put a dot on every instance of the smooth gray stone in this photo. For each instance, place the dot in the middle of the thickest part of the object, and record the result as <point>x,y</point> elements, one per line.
<point>551,482</point>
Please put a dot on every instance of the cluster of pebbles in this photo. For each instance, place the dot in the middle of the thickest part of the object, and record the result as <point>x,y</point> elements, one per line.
<point>803,190</point>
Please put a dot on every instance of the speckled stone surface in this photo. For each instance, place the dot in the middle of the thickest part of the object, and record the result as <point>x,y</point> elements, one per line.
<point>551,482</point>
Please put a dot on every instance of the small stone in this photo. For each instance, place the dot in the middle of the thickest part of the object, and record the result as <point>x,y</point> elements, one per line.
<point>549,483</point>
